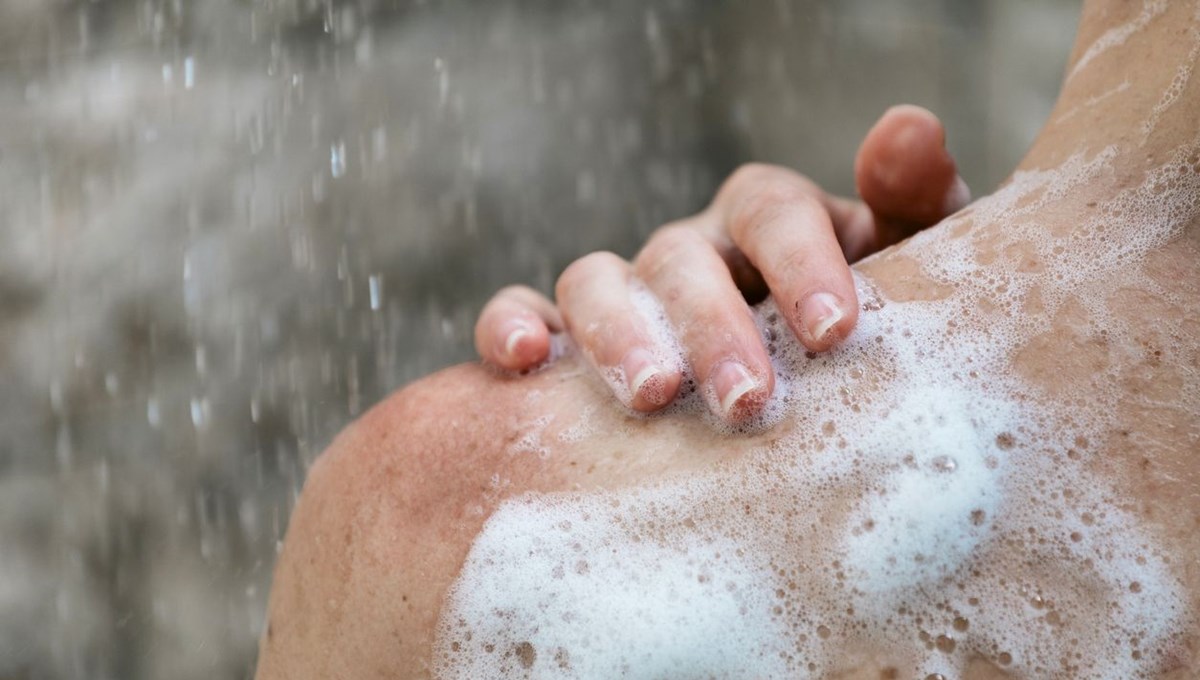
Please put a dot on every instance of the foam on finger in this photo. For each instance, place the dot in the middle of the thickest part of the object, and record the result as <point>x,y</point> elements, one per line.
<point>938,508</point>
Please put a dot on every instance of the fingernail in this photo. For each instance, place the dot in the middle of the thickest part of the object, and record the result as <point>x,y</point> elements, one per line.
<point>644,376</point>
<point>514,337</point>
<point>957,196</point>
<point>819,314</point>
<point>731,381</point>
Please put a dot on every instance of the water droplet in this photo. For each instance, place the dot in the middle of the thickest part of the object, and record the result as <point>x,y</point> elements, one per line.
<point>152,413</point>
<point>103,476</point>
<point>337,159</point>
<point>375,290</point>
<point>200,412</point>
<point>379,144</point>
<point>439,66</point>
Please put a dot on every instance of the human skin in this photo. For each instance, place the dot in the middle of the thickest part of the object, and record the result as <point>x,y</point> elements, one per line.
<point>389,513</point>
<point>767,230</point>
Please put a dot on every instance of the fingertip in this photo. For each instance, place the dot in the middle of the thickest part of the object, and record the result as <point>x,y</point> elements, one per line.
<point>902,131</point>
<point>911,113</point>
<point>826,319</point>
<point>655,390</point>
<point>903,169</point>
<point>650,385</point>
<point>512,339</point>
<point>737,392</point>
<point>527,345</point>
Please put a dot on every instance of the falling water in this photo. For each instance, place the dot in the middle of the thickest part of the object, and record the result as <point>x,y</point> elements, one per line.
<point>230,227</point>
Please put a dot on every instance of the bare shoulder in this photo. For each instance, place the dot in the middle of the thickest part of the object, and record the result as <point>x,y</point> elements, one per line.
<point>388,513</point>
<point>385,519</point>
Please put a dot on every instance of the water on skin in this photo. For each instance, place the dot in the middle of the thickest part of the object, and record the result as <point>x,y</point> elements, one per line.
<point>942,516</point>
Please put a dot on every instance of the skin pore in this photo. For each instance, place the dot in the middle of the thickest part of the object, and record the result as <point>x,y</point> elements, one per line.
<point>1040,349</point>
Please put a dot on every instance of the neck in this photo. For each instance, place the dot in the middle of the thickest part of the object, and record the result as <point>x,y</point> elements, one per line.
<point>1130,87</point>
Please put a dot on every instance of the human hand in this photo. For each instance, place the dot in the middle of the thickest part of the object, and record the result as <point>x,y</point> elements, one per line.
<point>769,230</point>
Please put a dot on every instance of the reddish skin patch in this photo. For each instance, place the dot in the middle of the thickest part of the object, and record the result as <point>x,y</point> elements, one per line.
<point>388,513</point>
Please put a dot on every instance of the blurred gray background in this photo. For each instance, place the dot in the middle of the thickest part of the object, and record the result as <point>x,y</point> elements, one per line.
<point>227,227</point>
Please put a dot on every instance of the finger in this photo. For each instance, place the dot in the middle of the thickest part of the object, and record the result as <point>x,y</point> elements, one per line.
<point>714,323</point>
<point>595,297</point>
<point>710,224</point>
<point>787,234</point>
<point>907,178</point>
<point>513,330</point>
<point>905,174</point>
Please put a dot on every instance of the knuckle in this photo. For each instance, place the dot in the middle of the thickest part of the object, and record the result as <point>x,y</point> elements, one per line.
<point>526,299</point>
<point>749,174</point>
<point>762,204</point>
<point>665,247</point>
<point>583,270</point>
<point>516,291</point>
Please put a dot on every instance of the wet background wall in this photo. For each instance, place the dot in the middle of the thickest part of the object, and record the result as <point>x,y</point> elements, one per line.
<point>227,227</point>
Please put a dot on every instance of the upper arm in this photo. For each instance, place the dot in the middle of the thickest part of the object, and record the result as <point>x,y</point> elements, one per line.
<point>390,510</point>
<point>384,522</point>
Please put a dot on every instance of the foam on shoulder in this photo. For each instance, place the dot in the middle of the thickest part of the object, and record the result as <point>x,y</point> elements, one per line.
<point>936,510</point>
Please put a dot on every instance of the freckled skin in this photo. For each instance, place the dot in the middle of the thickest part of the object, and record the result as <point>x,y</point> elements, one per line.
<point>389,512</point>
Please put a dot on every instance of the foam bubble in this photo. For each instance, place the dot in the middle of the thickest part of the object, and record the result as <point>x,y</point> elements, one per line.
<point>926,503</point>
<point>1116,36</point>
<point>932,509</point>
<point>1182,75</point>
<point>665,347</point>
<point>649,627</point>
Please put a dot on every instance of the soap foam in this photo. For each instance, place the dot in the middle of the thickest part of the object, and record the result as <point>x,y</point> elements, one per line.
<point>650,627</point>
<point>664,345</point>
<point>928,512</point>
<point>934,506</point>
<point>1183,74</point>
<point>1116,36</point>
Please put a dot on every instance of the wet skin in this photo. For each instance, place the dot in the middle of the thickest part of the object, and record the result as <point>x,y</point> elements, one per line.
<point>389,512</point>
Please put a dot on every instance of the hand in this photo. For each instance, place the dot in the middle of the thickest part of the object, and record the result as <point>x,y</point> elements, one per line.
<point>769,230</point>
